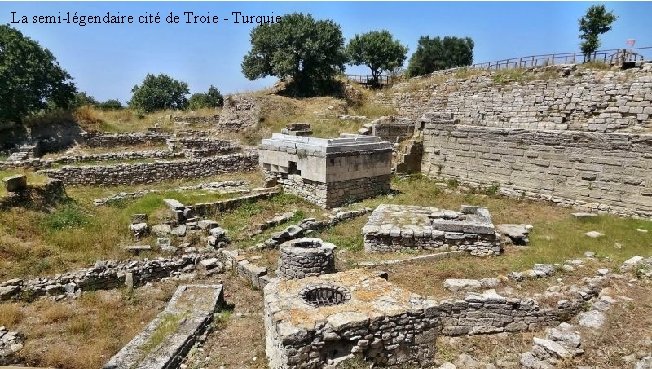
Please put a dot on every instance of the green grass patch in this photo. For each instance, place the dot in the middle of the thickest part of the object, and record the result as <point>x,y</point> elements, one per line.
<point>68,216</point>
<point>169,324</point>
<point>32,178</point>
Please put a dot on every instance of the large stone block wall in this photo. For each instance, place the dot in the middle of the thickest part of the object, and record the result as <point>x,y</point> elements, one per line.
<point>597,171</point>
<point>333,194</point>
<point>138,173</point>
<point>557,97</point>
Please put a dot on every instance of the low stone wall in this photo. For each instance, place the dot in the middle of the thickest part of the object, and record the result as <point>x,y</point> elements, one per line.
<point>117,156</point>
<point>592,171</point>
<point>206,208</point>
<point>123,139</point>
<point>254,274</point>
<point>191,119</point>
<point>196,147</point>
<point>103,275</point>
<point>139,173</point>
<point>187,316</point>
<point>222,187</point>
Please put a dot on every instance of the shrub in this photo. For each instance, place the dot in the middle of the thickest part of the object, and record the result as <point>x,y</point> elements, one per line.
<point>159,93</point>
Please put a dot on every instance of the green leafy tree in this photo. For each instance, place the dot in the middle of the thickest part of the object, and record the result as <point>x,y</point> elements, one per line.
<point>305,52</point>
<point>440,53</point>
<point>595,22</point>
<point>377,50</point>
<point>211,99</point>
<point>159,93</point>
<point>82,98</point>
<point>30,77</point>
<point>111,104</point>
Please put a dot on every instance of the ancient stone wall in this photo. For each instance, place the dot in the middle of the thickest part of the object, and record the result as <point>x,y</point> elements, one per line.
<point>609,172</point>
<point>557,97</point>
<point>239,112</point>
<point>392,129</point>
<point>123,139</point>
<point>153,172</point>
<point>333,194</point>
<point>103,275</point>
<point>402,227</point>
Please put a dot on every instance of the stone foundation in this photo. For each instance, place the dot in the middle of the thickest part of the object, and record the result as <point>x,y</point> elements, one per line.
<point>316,321</point>
<point>397,227</point>
<point>123,139</point>
<point>334,194</point>
<point>328,172</point>
<point>306,257</point>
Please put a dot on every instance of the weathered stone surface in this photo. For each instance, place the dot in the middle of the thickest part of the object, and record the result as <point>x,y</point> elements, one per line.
<point>306,257</point>
<point>328,172</point>
<point>15,183</point>
<point>516,233</point>
<point>187,316</point>
<point>591,319</point>
<point>594,234</point>
<point>10,344</point>
<point>402,227</point>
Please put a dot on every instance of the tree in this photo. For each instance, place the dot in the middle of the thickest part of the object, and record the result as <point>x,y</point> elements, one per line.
<point>305,52</point>
<point>111,104</point>
<point>82,98</point>
<point>595,22</point>
<point>158,93</point>
<point>437,54</point>
<point>377,50</point>
<point>30,77</point>
<point>211,99</point>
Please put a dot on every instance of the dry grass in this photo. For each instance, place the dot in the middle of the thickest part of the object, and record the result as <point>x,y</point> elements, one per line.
<point>239,337</point>
<point>32,178</point>
<point>556,236</point>
<point>77,233</point>
<point>82,333</point>
<point>127,120</point>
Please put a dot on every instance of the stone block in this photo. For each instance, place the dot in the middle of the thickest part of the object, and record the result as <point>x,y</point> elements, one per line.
<point>16,183</point>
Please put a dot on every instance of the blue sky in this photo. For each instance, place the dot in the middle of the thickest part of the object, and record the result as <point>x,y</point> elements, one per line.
<point>107,60</point>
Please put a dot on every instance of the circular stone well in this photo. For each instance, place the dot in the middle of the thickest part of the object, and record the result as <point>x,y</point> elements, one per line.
<point>306,257</point>
<point>325,295</point>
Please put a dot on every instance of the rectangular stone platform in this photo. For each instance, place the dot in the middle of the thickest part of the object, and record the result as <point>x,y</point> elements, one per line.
<point>167,339</point>
<point>402,227</point>
<point>368,316</point>
<point>328,171</point>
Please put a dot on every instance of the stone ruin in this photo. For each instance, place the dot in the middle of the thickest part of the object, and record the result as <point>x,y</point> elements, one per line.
<point>318,321</point>
<point>297,129</point>
<point>402,227</point>
<point>328,172</point>
<point>306,257</point>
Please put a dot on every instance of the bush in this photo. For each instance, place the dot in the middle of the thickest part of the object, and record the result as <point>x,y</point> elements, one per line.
<point>438,54</point>
<point>111,104</point>
<point>212,99</point>
<point>159,93</point>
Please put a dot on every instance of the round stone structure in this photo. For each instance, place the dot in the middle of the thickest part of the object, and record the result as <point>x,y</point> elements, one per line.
<point>306,257</point>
